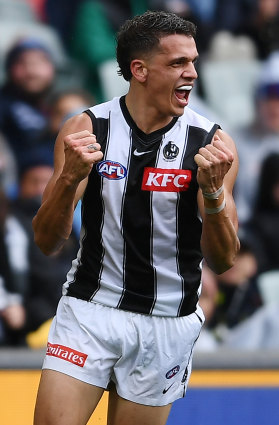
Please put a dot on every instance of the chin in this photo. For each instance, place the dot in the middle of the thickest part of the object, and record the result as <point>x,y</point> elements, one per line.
<point>178,112</point>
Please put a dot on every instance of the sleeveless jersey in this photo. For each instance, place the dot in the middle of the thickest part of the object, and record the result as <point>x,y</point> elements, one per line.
<point>140,237</point>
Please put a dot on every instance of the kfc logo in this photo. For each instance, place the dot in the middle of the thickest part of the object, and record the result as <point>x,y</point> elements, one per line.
<point>66,353</point>
<point>164,180</point>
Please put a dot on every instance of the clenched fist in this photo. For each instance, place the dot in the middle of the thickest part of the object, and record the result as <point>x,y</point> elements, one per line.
<point>81,152</point>
<point>214,161</point>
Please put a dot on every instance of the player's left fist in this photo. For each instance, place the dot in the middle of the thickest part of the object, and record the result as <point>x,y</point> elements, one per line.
<point>214,161</point>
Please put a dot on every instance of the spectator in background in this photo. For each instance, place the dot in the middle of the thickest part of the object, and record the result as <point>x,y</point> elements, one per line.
<point>257,141</point>
<point>262,27</point>
<point>8,168</point>
<point>260,331</point>
<point>13,262</point>
<point>45,274</point>
<point>229,298</point>
<point>64,104</point>
<point>61,16</point>
<point>30,76</point>
<point>30,283</point>
<point>231,14</point>
<point>13,275</point>
<point>263,226</point>
<point>238,295</point>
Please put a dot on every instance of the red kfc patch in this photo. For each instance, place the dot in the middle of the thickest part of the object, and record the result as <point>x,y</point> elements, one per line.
<point>165,180</point>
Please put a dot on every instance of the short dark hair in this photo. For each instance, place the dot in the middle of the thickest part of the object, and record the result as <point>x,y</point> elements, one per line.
<point>142,34</point>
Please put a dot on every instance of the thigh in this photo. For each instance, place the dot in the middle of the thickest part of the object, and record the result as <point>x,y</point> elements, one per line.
<point>124,412</point>
<point>155,365</point>
<point>63,400</point>
<point>83,341</point>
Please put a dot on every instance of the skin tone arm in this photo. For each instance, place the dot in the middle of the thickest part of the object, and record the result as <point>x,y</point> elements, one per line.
<point>73,161</point>
<point>217,165</point>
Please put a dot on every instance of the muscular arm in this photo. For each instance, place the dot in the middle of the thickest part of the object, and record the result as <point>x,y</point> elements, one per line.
<point>73,162</point>
<point>217,165</point>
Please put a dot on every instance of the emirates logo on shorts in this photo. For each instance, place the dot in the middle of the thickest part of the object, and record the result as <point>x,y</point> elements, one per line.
<point>66,353</point>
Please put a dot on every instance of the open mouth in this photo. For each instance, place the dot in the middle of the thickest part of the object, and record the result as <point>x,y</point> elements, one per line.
<point>182,93</point>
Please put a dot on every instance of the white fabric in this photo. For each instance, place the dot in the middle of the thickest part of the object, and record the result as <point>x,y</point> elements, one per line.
<point>145,356</point>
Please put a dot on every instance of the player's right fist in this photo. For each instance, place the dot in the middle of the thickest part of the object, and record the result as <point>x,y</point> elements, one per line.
<point>81,152</point>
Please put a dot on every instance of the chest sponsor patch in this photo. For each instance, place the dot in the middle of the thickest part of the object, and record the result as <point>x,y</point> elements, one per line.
<point>111,170</point>
<point>66,353</point>
<point>165,180</point>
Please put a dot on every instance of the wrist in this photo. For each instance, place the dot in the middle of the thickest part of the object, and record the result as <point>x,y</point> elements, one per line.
<point>68,180</point>
<point>216,209</point>
<point>213,195</point>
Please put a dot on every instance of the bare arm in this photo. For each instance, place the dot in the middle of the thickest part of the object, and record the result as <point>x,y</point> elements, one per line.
<point>217,166</point>
<point>73,161</point>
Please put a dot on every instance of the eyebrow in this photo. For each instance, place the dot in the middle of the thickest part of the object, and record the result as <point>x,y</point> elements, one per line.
<point>184,59</point>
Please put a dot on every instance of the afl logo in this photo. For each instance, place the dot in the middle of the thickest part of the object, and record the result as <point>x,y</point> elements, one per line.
<point>170,374</point>
<point>170,151</point>
<point>111,170</point>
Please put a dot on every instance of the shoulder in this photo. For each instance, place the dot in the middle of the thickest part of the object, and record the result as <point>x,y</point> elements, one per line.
<point>103,110</point>
<point>195,119</point>
<point>85,120</point>
<point>77,123</point>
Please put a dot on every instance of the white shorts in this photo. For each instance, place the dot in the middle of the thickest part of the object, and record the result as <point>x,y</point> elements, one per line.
<point>147,357</point>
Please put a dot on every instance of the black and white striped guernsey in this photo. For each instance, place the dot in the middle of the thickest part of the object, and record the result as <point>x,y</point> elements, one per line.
<point>140,238</point>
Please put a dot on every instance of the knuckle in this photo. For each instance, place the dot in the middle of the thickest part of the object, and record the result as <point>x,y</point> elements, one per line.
<point>75,146</point>
<point>231,157</point>
<point>68,138</point>
<point>99,156</point>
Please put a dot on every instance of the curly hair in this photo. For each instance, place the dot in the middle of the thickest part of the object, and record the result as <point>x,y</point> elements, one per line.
<point>141,34</point>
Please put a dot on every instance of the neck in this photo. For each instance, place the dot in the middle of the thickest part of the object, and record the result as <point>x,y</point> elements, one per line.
<point>145,115</point>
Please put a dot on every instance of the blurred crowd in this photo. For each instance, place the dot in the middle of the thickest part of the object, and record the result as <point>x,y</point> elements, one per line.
<point>57,58</point>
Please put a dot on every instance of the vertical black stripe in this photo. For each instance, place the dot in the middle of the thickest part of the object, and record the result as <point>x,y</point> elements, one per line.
<point>86,280</point>
<point>189,227</point>
<point>104,142</point>
<point>139,282</point>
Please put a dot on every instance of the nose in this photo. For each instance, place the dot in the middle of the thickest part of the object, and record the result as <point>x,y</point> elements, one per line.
<point>190,71</point>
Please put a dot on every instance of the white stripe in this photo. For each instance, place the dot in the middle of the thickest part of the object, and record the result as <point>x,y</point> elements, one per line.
<point>169,283</point>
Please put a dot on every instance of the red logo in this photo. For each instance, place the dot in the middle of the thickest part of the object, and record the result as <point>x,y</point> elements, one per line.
<point>66,353</point>
<point>165,180</point>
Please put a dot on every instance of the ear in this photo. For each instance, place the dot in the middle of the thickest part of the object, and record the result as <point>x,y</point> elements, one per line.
<point>139,70</point>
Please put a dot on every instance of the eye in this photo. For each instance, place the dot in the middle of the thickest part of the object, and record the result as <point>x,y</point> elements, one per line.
<point>177,62</point>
